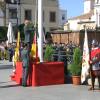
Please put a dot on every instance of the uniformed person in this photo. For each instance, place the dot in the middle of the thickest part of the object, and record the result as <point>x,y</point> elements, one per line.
<point>25,64</point>
<point>95,67</point>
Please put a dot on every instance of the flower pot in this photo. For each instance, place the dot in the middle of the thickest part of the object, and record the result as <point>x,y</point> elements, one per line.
<point>76,80</point>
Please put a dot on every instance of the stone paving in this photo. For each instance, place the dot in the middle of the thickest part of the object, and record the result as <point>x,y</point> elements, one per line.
<point>11,91</point>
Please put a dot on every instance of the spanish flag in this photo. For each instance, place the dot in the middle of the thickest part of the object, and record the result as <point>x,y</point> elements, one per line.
<point>18,40</point>
<point>34,49</point>
<point>17,54</point>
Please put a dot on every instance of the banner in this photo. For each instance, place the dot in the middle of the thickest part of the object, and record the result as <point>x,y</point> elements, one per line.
<point>17,54</point>
<point>34,49</point>
<point>10,34</point>
<point>85,59</point>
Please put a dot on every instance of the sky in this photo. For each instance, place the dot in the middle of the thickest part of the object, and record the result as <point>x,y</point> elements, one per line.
<point>73,7</point>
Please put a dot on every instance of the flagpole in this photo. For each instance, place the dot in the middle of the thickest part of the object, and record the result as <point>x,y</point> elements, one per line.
<point>40,31</point>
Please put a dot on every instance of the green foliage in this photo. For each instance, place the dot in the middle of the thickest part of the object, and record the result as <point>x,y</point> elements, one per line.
<point>30,27</point>
<point>75,67</point>
<point>3,33</point>
<point>21,29</point>
<point>48,53</point>
<point>77,56</point>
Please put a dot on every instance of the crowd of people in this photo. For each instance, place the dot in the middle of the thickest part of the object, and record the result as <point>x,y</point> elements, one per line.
<point>7,52</point>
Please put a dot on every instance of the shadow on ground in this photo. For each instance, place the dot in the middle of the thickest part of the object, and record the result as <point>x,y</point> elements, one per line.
<point>5,82</point>
<point>2,67</point>
<point>9,86</point>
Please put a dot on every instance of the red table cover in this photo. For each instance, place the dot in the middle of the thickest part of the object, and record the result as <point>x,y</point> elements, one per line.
<point>46,73</point>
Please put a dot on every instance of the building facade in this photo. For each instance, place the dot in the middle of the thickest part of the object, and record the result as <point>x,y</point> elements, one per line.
<point>16,11</point>
<point>90,17</point>
<point>62,17</point>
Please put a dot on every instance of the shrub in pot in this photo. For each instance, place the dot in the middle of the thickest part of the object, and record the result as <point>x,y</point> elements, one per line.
<point>48,52</point>
<point>75,67</point>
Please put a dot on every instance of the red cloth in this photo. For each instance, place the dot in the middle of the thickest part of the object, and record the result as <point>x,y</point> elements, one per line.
<point>12,77</point>
<point>48,73</point>
<point>18,74</point>
<point>95,52</point>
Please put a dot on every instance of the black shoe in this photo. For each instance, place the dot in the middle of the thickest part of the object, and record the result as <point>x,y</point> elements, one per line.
<point>91,88</point>
<point>24,85</point>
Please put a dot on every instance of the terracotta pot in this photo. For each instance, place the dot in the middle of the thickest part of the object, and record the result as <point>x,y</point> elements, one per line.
<point>76,80</point>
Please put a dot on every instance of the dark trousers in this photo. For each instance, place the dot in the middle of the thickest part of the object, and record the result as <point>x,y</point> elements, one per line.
<point>94,75</point>
<point>24,76</point>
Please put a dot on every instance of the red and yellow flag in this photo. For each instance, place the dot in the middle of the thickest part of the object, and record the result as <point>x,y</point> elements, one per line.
<point>34,49</point>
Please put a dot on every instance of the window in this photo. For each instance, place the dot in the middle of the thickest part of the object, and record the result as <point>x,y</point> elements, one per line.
<point>52,16</point>
<point>28,14</point>
<point>63,17</point>
<point>12,1</point>
<point>13,13</point>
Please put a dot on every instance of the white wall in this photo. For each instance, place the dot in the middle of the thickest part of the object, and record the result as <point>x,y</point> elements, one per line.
<point>97,13</point>
<point>73,24</point>
<point>87,6</point>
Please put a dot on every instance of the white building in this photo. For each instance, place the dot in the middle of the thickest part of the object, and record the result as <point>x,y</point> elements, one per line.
<point>90,17</point>
<point>17,13</point>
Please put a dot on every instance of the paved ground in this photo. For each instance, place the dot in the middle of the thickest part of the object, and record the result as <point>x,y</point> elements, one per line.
<point>11,91</point>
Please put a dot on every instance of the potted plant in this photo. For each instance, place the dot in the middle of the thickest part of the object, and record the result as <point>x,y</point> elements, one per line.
<point>75,67</point>
<point>48,52</point>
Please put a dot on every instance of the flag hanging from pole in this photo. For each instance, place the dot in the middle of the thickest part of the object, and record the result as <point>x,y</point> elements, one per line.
<point>17,54</point>
<point>10,33</point>
<point>85,59</point>
<point>18,40</point>
<point>33,49</point>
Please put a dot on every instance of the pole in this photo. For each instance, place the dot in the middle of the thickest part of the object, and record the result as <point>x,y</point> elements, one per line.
<point>40,31</point>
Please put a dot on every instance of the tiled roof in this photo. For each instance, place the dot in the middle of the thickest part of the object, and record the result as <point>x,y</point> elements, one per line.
<point>84,16</point>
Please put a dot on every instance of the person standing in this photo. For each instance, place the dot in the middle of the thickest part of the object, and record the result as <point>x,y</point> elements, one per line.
<point>28,28</point>
<point>25,64</point>
<point>11,52</point>
<point>94,62</point>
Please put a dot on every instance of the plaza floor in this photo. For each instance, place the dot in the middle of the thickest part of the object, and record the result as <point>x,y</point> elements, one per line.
<point>11,91</point>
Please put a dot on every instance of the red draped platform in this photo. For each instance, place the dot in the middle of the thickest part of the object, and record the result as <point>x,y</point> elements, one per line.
<point>40,74</point>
